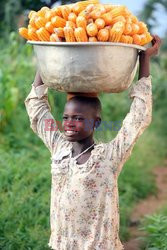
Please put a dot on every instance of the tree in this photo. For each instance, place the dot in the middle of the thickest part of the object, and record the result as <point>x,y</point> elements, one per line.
<point>147,14</point>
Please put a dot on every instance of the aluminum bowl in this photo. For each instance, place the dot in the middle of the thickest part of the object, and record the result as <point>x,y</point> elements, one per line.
<point>87,67</point>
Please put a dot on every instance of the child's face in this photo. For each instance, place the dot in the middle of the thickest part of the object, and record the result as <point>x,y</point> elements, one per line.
<point>78,121</point>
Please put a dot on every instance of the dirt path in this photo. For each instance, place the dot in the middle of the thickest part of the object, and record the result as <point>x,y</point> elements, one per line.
<point>148,206</point>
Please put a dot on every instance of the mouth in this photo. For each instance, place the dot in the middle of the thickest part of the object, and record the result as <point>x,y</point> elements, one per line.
<point>70,132</point>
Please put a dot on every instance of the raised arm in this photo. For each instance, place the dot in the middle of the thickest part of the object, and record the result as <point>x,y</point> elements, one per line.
<point>140,114</point>
<point>41,120</point>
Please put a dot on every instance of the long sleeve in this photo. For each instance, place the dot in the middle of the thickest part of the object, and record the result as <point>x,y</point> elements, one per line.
<point>134,124</point>
<point>41,120</point>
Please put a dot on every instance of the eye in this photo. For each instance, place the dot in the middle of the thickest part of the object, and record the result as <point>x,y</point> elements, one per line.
<point>65,118</point>
<point>79,118</point>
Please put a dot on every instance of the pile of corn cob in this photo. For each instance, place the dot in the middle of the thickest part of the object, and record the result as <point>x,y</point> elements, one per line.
<point>86,21</point>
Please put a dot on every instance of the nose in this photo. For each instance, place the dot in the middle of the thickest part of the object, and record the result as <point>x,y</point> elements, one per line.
<point>70,123</point>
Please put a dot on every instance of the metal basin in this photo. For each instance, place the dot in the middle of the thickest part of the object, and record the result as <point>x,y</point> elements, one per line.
<point>87,67</point>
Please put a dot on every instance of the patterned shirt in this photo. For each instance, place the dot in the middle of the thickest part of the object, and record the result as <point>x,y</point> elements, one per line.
<point>84,212</point>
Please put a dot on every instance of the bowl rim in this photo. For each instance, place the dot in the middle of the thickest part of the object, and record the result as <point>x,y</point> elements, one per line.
<point>41,43</point>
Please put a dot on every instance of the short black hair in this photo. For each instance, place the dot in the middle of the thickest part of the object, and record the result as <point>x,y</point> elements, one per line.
<point>93,102</point>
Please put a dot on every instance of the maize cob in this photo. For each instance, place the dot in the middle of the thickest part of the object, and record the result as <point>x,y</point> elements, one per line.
<point>57,11</point>
<point>59,32</point>
<point>49,26</point>
<point>58,22</point>
<point>49,15</point>
<point>96,13</point>
<point>127,13</point>
<point>84,14</point>
<point>135,29</point>
<point>24,33</point>
<point>108,7</point>
<point>43,11</point>
<point>72,17</point>
<point>129,20</point>
<point>43,34</point>
<point>80,35</point>
<point>148,37</point>
<point>107,17</point>
<point>136,39</point>
<point>142,28</point>
<point>116,32</point>
<point>86,3</point>
<point>128,29</point>
<point>90,8</point>
<point>40,22</point>
<point>32,21</point>
<point>126,39</point>
<point>70,24</point>
<point>32,34</point>
<point>32,13</point>
<point>134,19</point>
<point>30,27</point>
<point>108,27</point>
<point>54,38</point>
<point>77,8</point>
<point>143,39</point>
<point>100,23</point>
<point>65,11</point>
<point>101,8</point>
<point>92,29</point>
<point>118,11</point>
<point>92,39</point>
<point>103,35</point>
<point>81,22</point>
<point>69,34</point>
<point>118,19</point>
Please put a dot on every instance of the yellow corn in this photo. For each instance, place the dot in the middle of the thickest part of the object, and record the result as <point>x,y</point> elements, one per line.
<point>103,35</point>
<point>118,11</point>
<point>100,23</point>
<point>43,34</point>
<point>134,19</point>
<point>116,32</point>
<point>43,11</point>
<point>49,26</point>
<point>101,8</point>
<point>136,39</point>
<point>118,19</point>
<point>92,39</point>
<point>77,8</point>
<point>90,8</point>
<point>59,32</point>
<point>96,13</point>
<point>143,39</point>
<point>24,33</point>
<point>126,39</point>
<point>54,38</point>
<point>58,22</point>
<point>69,34</point>
<point>85,14</point>
<point>57,11</point>
<point>81,22</point>
<point>65,11</point>
<point>32,13</point>
<point>32,21</point>
<point>72,17</point>
<point>90,20</point>
<point>32,34</point>
<point>86,3</point>
<point>107,17</point>
<point>49,15</point>
<point>80,35</point>
<point>70,24</point>
<point>92,29</point>
<point>40,22</point>
<point>142,28</point>
<point>108,7</point>
<point>128,29</point>
<point>148,37</point>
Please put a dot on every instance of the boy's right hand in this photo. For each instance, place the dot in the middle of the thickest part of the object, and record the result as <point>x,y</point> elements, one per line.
<point>37,80</point>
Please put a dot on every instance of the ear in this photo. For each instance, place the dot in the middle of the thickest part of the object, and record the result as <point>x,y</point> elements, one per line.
<point>97,122</point>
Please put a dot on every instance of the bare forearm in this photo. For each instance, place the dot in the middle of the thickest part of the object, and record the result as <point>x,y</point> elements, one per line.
<point>144,68</point>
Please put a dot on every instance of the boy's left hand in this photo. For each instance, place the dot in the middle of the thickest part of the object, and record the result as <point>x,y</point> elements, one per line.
<point>153,51</point>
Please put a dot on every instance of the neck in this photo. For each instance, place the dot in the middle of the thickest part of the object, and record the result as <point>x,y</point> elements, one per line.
<point>80,146</point>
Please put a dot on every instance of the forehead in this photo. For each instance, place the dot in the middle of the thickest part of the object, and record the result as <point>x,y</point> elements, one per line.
<point>76,107</point>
